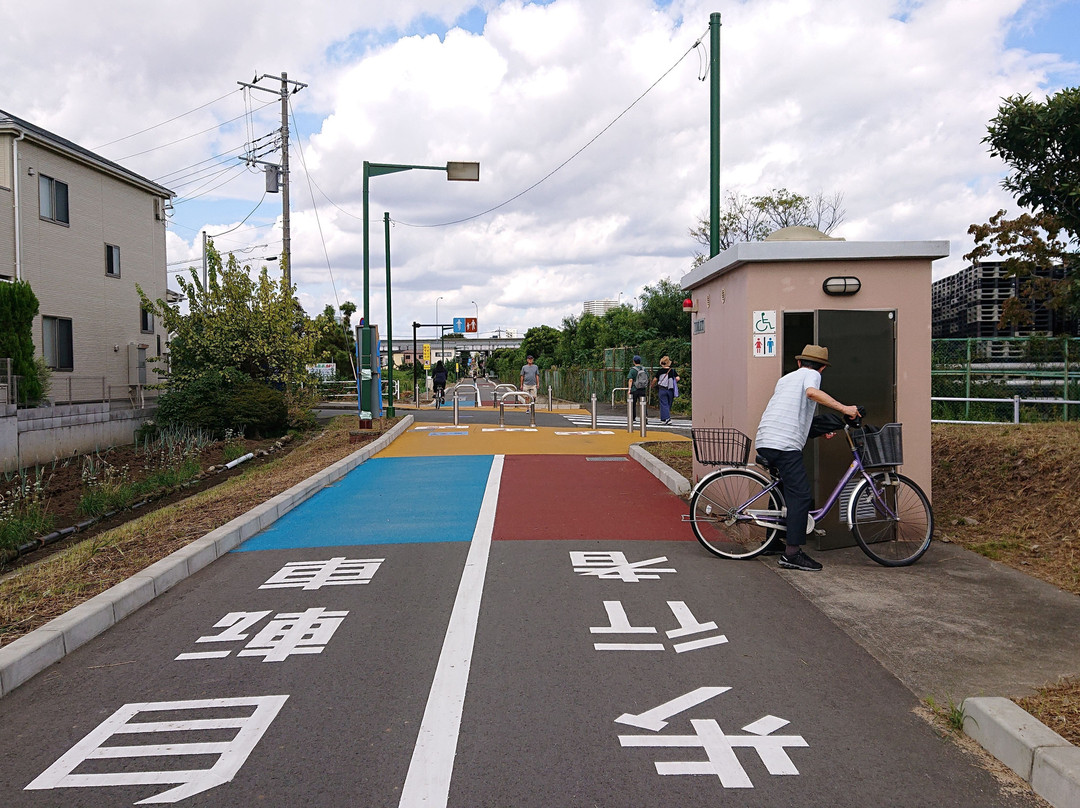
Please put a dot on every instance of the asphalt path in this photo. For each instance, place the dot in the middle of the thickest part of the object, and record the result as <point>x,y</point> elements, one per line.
<point>455,625</point>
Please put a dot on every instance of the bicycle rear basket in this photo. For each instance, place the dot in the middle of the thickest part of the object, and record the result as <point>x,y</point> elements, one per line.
<point>885,447</point>
<point>720,446</point>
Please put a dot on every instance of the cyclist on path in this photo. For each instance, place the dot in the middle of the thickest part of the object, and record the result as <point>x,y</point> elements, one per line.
<point>781,435</point>
<point>438,379</point>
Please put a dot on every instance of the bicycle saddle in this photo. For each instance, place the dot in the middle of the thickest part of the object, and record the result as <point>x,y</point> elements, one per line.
<point>769,467</point>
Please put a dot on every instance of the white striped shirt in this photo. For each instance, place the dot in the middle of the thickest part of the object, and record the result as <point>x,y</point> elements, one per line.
<point>785,423</point>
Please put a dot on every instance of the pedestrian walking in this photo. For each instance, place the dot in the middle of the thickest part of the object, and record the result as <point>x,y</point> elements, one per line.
<point>637,387</point>
<point>666,383</point>
<point>530,377</point>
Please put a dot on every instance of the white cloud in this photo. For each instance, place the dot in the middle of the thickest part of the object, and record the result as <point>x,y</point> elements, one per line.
<point>881,100</point>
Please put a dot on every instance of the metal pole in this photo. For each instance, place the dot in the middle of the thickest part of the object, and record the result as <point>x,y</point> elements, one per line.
<point>641,414</point>
<point>967,382</point>
<point>365,391</point>
<point>593,411</point>
<point>455,407</point>
<point>629,412</point>
<point>1016,409</point>
<point>532,414</point>
<point>286,242</point>
<point>415,383</point>
<point>714,132</point>
<point>204,273</point>
<point>390,412</point>
<point>501,419</point>
<point>550,408</point>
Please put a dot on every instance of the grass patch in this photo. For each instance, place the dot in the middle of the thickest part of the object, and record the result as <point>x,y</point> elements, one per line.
<point>36,594</point>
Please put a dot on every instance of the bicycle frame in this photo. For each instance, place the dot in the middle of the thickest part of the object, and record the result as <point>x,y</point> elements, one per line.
<point>777,520</point>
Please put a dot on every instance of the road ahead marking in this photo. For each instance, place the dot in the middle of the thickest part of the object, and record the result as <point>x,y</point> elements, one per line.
<point>428,780</point>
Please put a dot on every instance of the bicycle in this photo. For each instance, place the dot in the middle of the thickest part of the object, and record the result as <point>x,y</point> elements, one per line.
<point>737,511</point>
<point>440,397</point>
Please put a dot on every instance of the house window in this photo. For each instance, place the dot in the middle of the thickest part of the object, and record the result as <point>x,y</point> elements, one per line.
<point>112,260</point>
<point>53,200</point>
<point>56,343</point>
<point>146,321</point>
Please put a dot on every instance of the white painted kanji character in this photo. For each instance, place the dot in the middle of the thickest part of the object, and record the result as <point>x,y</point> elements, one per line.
<point>338,571</point>
<point>620,624</point>
<point>305,632</point>
<point>187,740</point>
<point>614,565</point>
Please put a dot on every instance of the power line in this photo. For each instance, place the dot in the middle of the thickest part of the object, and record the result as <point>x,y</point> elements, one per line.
<point>156,125</point>
<point>189,137</point>
<point>568,159</point>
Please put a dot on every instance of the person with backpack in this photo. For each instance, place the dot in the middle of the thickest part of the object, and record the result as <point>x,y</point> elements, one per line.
<point>438,381</point>
<point>637,387</point>
<point>667,388</point>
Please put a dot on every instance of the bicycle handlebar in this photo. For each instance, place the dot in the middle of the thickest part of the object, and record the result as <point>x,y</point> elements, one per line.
<point>855,422</point>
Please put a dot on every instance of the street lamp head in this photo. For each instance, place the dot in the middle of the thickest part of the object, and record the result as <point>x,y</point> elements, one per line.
<point>463,172</point>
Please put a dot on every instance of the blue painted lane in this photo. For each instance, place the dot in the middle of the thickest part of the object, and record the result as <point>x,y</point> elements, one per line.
<point>391,500</point>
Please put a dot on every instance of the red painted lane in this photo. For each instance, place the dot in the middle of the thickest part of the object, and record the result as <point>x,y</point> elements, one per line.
<point>571,497</point>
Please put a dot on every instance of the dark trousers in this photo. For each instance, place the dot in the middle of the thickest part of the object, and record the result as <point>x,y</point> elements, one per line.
<point>796,491</point>
<point>638,394</point>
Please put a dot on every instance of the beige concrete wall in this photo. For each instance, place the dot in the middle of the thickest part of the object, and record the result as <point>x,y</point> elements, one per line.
<point>38,436</point>
<point>733,386</point>
<point>65,266</point>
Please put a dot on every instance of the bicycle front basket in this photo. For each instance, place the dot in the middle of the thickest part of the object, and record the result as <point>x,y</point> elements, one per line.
<point>882,448</point>
<point>720,446</point>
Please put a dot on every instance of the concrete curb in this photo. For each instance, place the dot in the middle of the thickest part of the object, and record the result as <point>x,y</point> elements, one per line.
<point>1048,762</point>
<point>1031,749</point>
<point>674,481</point>
<point>32,653</point>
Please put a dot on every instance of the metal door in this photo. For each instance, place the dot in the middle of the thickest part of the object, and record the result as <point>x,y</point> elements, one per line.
<point>862,353</point>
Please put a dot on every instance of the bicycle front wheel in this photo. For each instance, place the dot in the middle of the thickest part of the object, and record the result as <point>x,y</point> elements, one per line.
<point>718,512</point>
<point>891,520</point>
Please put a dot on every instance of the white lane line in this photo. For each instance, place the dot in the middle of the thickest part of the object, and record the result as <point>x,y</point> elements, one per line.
<point>428,780</point>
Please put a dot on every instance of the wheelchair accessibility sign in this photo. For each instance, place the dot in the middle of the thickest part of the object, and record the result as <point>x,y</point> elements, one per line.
<point>764,336</point>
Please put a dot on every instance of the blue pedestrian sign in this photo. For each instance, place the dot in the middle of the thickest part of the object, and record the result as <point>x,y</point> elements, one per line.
<point>459,325</point>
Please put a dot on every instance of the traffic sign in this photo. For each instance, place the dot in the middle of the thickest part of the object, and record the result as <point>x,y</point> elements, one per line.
<point>470,325</point>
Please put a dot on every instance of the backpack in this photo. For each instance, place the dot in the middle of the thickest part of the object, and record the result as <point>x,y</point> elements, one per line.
<point>642,380</point>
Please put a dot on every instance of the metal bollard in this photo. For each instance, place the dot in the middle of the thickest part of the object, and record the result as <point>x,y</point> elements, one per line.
<point>456,409</point>
<point>641,413</point>
<point>416,396</point>
<point>501,410</point>
<point>629,413</point>
<point>593,411</point>
<point>532,414</point>
<point>549,400</point>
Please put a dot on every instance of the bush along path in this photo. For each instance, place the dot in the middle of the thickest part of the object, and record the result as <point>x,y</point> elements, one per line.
<point>109,489</point>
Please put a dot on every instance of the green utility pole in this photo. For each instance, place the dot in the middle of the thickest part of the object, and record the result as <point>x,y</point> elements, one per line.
<point>390,412</point>
<point>714,132</point>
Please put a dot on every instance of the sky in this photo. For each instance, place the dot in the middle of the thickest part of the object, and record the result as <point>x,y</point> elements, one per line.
<point>589,118</point>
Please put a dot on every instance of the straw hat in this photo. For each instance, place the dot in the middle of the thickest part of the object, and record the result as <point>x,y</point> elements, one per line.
<point>815,353</point>
<point>665,362</point>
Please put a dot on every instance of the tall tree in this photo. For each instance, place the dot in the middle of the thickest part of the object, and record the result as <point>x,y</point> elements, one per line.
<point>753,218</point>
<point>253,326</point>
<point>1040,142</point>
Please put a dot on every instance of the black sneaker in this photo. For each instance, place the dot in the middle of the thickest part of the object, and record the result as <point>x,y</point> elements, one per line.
<point>799,561</point>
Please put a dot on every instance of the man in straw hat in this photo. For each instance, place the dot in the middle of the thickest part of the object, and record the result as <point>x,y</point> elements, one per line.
<point>781,435</point>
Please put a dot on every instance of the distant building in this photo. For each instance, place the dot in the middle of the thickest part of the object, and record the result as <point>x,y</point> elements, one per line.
<point>598,307</point>
<point>970,304</point>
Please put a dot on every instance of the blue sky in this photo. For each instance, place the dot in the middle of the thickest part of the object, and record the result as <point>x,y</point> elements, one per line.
<point>882,101</point>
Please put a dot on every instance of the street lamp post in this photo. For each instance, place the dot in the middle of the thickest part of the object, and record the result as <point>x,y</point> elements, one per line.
<point>455,171</point>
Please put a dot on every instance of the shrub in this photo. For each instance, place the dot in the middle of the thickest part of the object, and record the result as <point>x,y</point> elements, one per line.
<point>221,401</point>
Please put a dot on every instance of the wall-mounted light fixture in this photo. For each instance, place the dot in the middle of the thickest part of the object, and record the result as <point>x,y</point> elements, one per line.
<point>841,285</point>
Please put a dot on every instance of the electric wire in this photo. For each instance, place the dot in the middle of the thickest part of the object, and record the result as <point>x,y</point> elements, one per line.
<point>156,125</point>
<point>189,137</point>
<point>563,164</point>
<point>322,238</point>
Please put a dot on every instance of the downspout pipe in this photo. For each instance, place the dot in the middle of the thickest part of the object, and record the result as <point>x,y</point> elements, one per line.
<point>15,179</point>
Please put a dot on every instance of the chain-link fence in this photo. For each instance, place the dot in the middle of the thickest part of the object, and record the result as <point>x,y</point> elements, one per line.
<point>1009,379</point>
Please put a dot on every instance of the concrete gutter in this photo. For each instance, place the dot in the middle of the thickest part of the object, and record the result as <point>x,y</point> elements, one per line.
<point>1048,762</point>
<point>39,649</point>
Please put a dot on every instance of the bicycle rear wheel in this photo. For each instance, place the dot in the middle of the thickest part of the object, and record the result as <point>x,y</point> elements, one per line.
<point>717,512</point>
<point>896,529</point>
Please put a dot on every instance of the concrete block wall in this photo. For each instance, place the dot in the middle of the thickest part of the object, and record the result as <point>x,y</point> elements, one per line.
<point>42,434</point>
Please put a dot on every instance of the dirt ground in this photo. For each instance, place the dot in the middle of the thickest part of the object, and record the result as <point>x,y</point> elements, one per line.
<point>1009,493</point>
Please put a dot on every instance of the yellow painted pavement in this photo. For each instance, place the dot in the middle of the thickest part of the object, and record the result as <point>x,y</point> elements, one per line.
<point>439,440</point>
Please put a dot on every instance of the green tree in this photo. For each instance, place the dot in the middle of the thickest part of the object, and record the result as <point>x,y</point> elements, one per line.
<point>334,340</point>
<point>753,218</point>
<point>541,341</point>
<point>661,310</point>
<point>579,341</point>
<point>1040,141</point>
<point>18,306</point>
<point>245,337</point>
